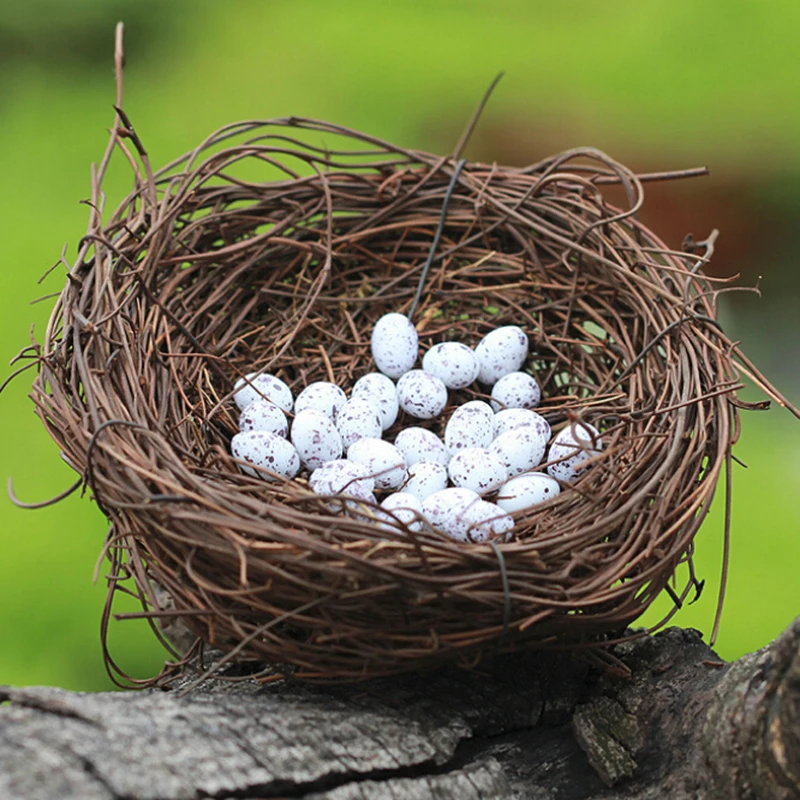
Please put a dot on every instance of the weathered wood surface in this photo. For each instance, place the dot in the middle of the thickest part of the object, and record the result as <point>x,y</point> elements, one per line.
<point>543,727</point>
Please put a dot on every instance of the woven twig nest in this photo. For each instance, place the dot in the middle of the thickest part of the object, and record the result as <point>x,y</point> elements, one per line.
<point>262,251</point>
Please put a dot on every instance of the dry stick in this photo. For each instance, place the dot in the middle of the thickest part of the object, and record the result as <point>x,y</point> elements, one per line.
<point>437,236</point>
<point>468,131</point>
<point>726,549</point>
<point>462,143</point>
<point>44,503</point>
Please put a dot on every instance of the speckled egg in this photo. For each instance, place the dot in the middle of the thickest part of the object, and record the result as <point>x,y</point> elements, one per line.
<point>343,477</point>
<point>526,491</point>
<point>485,522</point>
<point>516,390</point>
<point>443,511</point>
<point>421,394</point>
<point>403,508</point>
<point>382,460</point>
<point>501,351</point>
<point>327,398</point>
<point>356,419</point>
<point>263,415</point>
<point>425,478</point>
<point>263,386</point>
<point>470,425</point>
<point>573,446</point>
<point>395,344</point>
<point>377,388</point>
<point>266,451</point>
<point>316,438</point>
<point>420,444</point>
<point>477,469</point>
<point>511,418</point>
<point>453,363</point>
<point>520,449</point>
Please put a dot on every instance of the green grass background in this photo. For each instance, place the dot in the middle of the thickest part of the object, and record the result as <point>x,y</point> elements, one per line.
<point>675,83</point>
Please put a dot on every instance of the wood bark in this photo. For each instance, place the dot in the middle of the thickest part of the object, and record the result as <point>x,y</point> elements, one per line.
<point>539,726</point>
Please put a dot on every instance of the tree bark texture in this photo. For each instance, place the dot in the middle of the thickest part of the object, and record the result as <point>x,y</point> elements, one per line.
<point>538,726</point>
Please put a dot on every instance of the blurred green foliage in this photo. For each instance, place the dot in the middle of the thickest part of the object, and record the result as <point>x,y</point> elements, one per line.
<point>673,83</point>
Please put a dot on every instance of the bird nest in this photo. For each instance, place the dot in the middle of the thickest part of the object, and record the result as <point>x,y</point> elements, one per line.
<point>276,246</point>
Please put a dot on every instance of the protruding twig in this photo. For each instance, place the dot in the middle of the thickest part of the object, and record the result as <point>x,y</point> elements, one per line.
<point>466,135</point>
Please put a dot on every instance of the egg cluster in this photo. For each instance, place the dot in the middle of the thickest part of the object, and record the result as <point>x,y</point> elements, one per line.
<point>488,449</point>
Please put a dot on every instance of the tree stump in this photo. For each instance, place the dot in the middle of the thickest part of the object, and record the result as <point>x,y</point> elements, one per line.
<point>533,725</point>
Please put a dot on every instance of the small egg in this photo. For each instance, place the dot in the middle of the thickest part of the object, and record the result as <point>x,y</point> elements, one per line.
<point>356,419</point>
<point>395,344</point>
<point>421,394</point>
<point>403,508</point>
<point>573,446</point>
<point>516,390</point>
<point>377,388</point>
<point>526,491</point>
<point>470,425</point>
<point>341,476</point>
<point>267,453</point>
<point>262,386</point>
<point>501,351</point>
<point>425,478</point>
<point>520,449</point>
<point>316,438</point>
<point>263,415</point>
<point>510,418</point>
<point>327,398</point>
<point>453,363</point>
<point>420,444</point>
<point>383,461</point>
<point>477,469</point>
<point>442,511</point>
<point>486,521</point>
<point>345,478</point>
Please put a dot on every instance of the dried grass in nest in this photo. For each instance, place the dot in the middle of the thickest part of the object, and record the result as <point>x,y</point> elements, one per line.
<point>259,251</point>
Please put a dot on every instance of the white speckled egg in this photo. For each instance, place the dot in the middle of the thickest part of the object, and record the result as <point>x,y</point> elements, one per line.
<point>420,444</point>
<point>453,363</point>
<point>470,425</point>
<point>382,460</point>
<point>405,508</point>
<point>316,438</point>
<point>442,510</point>
<point>477,469</point>
<point>376,388</point>
<point>573,446</point>
<point>486,521</point>
<point>327,398</point>
<point>263,415</point>
<point>511,418</point>
<point>501,351</point>
<point>425,478</point>
<point>264,386</point>
<point>421,394</point>
<point>266,451</point>
<point>395,344</point>
<point>356,419</point>
<point>516,390</point>
<point>527,491</point>
<point>341,476</point>
<point>520,449</point>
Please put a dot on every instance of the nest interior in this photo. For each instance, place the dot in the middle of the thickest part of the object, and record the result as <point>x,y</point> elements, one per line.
<point>260,250</point>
